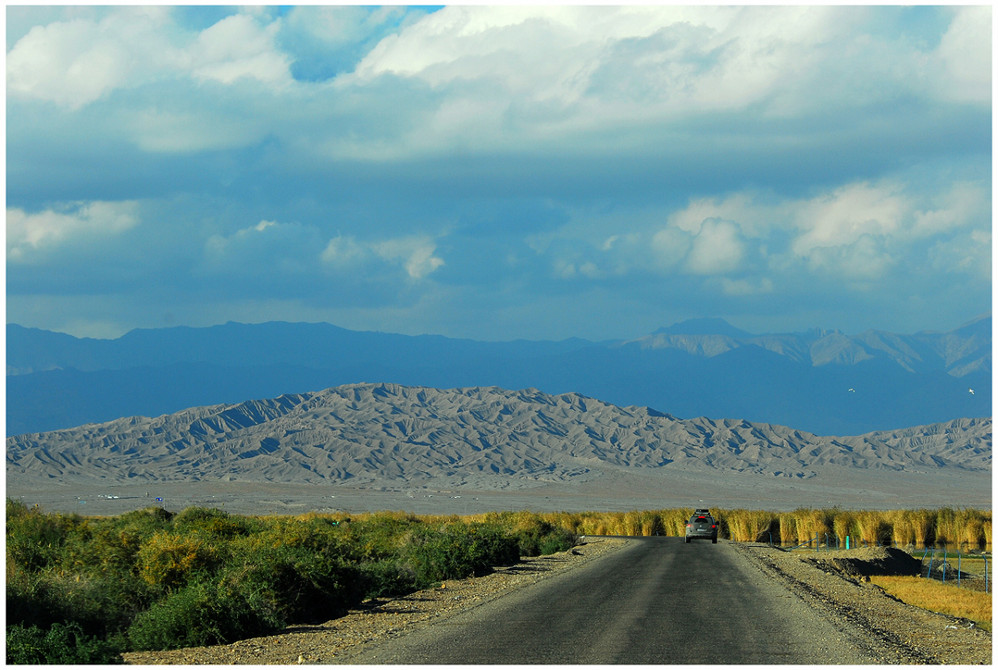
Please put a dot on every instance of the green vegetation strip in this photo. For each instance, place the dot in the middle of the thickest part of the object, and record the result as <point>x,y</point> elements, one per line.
<point>85,589</point>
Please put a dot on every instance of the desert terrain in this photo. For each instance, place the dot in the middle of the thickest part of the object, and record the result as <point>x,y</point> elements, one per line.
<point>367,447</point>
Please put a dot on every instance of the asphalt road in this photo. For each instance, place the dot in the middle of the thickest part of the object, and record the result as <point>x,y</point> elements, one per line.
<point>657,601</point>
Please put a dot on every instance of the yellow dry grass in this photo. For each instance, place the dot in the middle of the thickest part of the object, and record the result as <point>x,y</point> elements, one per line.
<point>958,529</point>
<point>939,597</point>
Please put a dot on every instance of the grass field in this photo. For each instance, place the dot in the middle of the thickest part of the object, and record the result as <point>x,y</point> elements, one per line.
<point>939,597</point>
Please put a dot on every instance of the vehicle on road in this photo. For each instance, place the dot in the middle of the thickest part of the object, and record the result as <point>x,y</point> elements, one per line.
<point>701,526</point>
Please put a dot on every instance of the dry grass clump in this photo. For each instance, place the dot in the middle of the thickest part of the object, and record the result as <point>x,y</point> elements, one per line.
<point>744,525</point>
<point>802,525</point>
<point>964,529</point>
<point>944,598</point>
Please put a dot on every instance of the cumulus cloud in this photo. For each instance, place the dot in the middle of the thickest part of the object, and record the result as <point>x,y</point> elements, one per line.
<point>967,253</point>
<point>844,216</point>
<point>548,73</point>
<point>30,235</point>
<point>344,252</point>
<point>495,78</point>
<point>716,249</point>
<point>78,61</point>
<point>963,57</point>
<point>416,254</point>
<point>671,246</point>
<point>859,230</point>
<point>239,47</point>
<point>75,62</point>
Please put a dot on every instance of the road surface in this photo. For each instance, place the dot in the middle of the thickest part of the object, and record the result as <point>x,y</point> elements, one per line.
<point>657,601</point>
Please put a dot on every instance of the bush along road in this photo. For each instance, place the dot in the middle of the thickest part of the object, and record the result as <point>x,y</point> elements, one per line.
<point>84,590</point>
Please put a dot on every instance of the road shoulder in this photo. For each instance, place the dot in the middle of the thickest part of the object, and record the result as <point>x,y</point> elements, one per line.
<point>892,631</point>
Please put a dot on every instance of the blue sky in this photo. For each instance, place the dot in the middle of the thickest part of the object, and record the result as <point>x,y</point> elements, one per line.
<point>499,172</point>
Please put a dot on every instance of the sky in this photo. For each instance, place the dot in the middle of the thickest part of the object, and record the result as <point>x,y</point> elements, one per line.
<point>499,173</point>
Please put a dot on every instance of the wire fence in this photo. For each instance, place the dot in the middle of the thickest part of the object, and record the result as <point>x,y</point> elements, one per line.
<point>969,570</point>
<point>964,566</point>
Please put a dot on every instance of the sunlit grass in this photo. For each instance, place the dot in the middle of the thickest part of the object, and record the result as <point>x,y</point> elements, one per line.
<point>939,597</point>
<point>964,529</point>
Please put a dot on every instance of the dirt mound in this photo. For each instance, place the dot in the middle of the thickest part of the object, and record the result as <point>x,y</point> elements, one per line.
<point>869,561</point>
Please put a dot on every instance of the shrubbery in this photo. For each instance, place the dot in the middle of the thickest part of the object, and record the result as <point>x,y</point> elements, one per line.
<point>62,644</point>
<point>198,615</point>
<point>82,590</point>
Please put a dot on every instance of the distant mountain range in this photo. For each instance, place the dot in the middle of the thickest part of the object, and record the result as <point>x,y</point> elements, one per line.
<point>825,382</point>
<point>485,438</point>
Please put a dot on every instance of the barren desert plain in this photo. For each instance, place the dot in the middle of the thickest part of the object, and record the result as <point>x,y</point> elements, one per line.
<point>370,447</point>
<point>614,491</point>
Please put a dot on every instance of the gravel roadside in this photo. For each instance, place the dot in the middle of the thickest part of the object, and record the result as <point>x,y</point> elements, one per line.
<point>893,632</point>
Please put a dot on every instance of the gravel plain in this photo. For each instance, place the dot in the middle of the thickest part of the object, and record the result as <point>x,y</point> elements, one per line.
<point>891,631</point>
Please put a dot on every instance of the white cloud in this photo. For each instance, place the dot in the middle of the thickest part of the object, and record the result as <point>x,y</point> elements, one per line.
<point>670,246</point>
<point>963,58</point>
<point>344,252</point>
<point>414,253</point>
<point>962,205</point>
<point>860,231</point>
<point>863,258</point>
<point>489,78</point>
<point>717,249</point>
<point>30,234</point>
<point>73,63</point>
<point>239,47</point>
<point>844,216</point>
<point>551,72</point>
<point>968,253</point>
<point>76,62</point>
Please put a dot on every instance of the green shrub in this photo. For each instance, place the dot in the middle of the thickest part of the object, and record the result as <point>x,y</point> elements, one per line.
<point>149,518</point>
<point>34,539</point>
<point>388,578</point>
<point>298,584</point>
<point>99,604</point>
<point>459,550</point>
<point>60,645</point>
<point>200,614</point>
<point>171,560</point>
<point>542,538</point>
<point>215,523</point>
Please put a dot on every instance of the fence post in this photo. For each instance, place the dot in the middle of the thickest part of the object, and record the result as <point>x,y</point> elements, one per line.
<point>985,573</point>
<point>928,574</point>
<point>959,565</point>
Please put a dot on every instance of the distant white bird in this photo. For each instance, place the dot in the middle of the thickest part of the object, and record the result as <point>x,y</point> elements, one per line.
<point>852,390</point>
<point>971,391</point>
